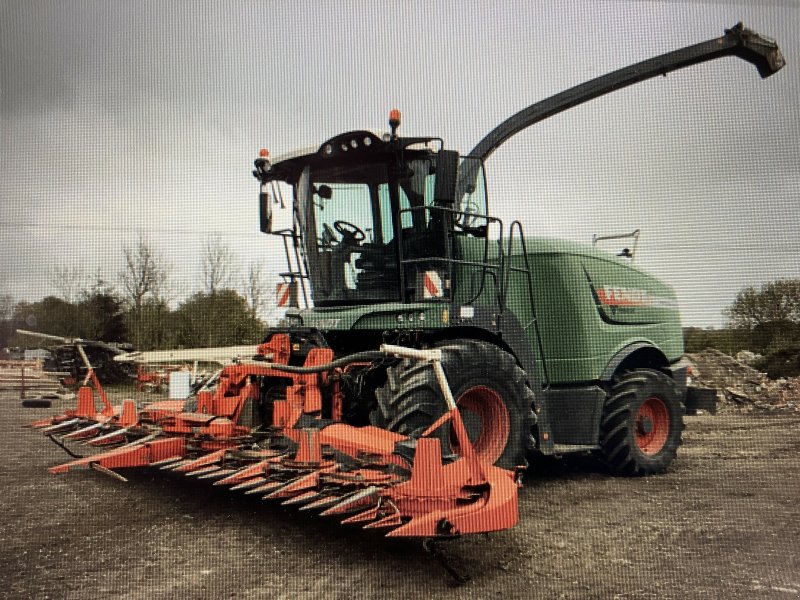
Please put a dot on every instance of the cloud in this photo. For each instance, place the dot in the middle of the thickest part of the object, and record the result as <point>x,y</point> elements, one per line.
<point>126,117</point>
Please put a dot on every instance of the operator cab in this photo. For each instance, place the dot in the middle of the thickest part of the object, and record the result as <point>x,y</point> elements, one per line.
<point>374,214</point>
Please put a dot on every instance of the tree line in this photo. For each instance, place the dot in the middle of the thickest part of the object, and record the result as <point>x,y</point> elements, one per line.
<point>231,309</point>
<point>764,320</point>
<point>136,307</point>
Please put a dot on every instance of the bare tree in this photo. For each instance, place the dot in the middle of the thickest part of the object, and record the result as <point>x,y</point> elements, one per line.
<point>218,266</point>
<point>6,306</point>
<point>145,290</point>
<point>6,318</point>
<point>258,292</point>
<point>70,282</point>
<point>144,276</point>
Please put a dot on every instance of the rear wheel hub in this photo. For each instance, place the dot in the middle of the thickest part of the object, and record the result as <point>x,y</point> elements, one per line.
<point>652,426</point>
<point>644,426</point>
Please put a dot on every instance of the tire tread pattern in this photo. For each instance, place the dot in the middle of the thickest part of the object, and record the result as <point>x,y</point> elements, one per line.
<point>411,398</point>
<point>617,436</point>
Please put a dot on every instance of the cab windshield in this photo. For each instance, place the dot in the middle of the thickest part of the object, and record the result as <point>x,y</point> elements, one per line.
<point>352,216</point>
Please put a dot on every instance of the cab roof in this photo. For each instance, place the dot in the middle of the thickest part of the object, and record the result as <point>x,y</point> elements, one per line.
<point>346,147</point>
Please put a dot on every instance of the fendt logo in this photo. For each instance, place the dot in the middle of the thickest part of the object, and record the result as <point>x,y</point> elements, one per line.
<point>619,296</point>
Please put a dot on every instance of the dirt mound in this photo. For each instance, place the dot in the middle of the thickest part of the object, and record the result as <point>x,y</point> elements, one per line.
<point>741,386</point>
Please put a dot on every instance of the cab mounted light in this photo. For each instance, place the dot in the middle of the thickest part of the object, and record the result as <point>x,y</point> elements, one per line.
<point>265,210</point>
<point>262,164</point>
<point>394,121</point>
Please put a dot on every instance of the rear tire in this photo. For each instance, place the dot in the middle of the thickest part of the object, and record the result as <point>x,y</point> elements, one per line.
<point>489,387</point>
<point>642,423</point>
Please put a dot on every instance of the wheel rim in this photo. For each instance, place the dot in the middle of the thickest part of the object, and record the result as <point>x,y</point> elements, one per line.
<point>486,419</point>
<point>652,426</point>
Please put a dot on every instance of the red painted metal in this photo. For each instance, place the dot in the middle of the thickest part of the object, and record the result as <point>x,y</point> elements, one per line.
<point>442,499</point>
<point>86,407</point>
<point>652,426</point>
<point>352,473</point>
<point>359,441</point>
<point>155,378</point>
<point>207,459</point>
<point>128,416</point>
<point>493,418</point>
<point>256,470</point>
<point>108,410</point>
<point>139,455</point>
<point>279,347</point>
<point>492,414</point>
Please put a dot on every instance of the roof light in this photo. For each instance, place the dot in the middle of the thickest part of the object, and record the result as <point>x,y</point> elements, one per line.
<point>394,121</point>
<point>263,153</point>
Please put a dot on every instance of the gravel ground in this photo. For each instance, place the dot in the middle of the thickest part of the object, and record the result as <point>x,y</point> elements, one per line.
<point>723,523</point>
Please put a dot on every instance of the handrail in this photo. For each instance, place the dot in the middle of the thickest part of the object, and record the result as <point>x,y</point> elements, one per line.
<point>516,224</point>
<point>487,269</point>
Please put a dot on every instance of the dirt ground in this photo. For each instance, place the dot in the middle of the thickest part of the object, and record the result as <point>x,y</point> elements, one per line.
<point>723,523</point>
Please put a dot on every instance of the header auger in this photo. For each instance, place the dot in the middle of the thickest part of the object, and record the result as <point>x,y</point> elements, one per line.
<point>435,348</point>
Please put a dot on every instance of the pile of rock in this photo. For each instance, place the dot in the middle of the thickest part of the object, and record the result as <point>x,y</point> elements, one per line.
<point>740,386</point>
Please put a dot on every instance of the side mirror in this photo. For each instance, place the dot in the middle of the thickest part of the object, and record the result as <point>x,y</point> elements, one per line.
<point>264,208</point>
<point>325,192</point>
<point>265,211</point>
<point>446,176</point>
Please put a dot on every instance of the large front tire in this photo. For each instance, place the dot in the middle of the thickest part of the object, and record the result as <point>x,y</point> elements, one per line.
<point>490,390</point>
<point>642,423</point>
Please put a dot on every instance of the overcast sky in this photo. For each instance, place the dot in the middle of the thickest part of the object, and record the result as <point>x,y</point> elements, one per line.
<point>128,118</point>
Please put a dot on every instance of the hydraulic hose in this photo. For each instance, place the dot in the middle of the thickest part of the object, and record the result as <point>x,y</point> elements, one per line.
<point>339,362</point>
